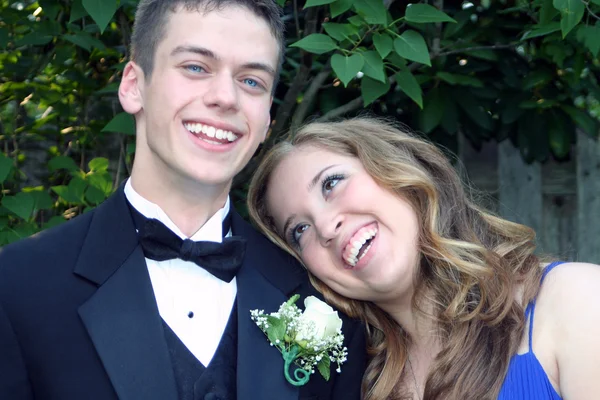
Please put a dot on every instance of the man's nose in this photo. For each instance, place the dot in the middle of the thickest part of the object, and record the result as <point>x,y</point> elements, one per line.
<point>222,93</point>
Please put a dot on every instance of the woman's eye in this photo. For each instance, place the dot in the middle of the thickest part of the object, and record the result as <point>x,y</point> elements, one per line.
<point>296,233</point>
<point>299,231</point>
<point>330,182</point>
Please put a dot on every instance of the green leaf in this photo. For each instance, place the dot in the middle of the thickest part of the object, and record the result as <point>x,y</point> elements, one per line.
<point>101,180</point>
<point>412,46</point>
<point>54,221</point>
<point>42,199</point>
<point>409,85</point>
<point>560,139</point>
<point>121,123</point>
<point>21,204</point>
<point>547,12</point>
<point>371,89</point>
<point>373,11</point>
<point>571,12</point>
<point>111,88</point>
<point>314,3</point>
<point>456,79</point>
<point>357,21</point>
<point>6,166</point>
<point>451,118</point>
<point>324,367</point>
<point>77,11</point>
<point>94,195</point>
<point>346,68</point>
<point>589,35</point>
<point>98,164</point>
<point>433,111</point>
<point>73,193</point>
<point>101,11</point>
<point>340,6</point>
<point>276,330</point>
<point>423,13</point>
<point>62,162</point>
<point>475,110</point>
<point>541,30</point>
<point>340,32</point>
<point>383,44</point>
<point>374,66</point>
<point>583,120</point>
<point>317,43</point>
<point>77,188</point>
<point>34,39</point>
<point>85,41</point>
<point>3,38</point>
<point>537,78</point>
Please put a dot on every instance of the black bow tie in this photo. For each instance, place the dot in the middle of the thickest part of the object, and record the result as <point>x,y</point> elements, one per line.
<point>159,243</point>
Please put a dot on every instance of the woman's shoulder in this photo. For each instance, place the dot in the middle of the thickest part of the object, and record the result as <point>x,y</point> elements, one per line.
<point>571,288</point>
<point>569,302</point>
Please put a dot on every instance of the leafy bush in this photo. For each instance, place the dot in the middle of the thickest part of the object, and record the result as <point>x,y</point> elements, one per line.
<point>527,71</point>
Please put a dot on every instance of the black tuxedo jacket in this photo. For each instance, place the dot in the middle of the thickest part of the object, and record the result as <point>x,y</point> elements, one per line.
<point>78,317</point>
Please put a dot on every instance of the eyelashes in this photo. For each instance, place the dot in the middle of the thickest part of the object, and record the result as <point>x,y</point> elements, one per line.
<point>328,184</point>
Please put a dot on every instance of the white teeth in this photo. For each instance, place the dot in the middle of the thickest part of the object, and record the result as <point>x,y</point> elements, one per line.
<point>355,246</point>
<point>365,252</point>
<point>211,132</point>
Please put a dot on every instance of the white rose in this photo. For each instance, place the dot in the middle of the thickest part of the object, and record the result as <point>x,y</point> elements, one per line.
<point>325,321</point>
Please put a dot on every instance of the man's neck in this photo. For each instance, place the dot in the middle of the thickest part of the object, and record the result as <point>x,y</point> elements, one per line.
<point>188,205</point>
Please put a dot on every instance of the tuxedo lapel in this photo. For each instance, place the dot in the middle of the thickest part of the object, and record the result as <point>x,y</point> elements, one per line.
<point>122,317</point>
<point>260,366</point>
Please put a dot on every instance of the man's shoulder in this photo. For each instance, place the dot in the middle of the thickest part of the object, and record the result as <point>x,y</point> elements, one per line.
<point>51,246</point>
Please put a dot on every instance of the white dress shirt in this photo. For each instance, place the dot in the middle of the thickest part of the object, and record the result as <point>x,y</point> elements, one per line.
<point>194,303</point>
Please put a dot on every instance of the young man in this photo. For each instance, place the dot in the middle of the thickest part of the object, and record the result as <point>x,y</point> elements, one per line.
<point>100,307</point>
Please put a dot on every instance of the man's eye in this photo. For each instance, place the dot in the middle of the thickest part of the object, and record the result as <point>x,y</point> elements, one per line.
<point>194,68</point>
<point>251,82</point>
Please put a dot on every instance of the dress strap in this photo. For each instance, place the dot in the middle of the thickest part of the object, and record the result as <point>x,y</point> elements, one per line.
<point>530,310</point>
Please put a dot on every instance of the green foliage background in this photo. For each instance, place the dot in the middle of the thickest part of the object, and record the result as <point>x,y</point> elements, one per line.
<point>525,71</point>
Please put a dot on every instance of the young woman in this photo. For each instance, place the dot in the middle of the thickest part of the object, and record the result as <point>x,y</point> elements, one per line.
<point>456,303</point>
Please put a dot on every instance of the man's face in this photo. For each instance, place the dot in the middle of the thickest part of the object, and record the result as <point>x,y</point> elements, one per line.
<point>205,108</point>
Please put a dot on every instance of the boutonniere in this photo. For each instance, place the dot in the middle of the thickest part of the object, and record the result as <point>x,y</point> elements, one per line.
<point>310,339</point>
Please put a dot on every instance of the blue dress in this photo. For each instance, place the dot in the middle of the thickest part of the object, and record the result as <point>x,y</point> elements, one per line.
<point>526,379</point>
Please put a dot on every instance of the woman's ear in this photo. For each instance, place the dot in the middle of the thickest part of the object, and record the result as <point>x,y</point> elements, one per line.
<point>130,88</point>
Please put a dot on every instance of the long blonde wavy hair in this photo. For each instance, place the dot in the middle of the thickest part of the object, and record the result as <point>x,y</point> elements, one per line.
<point>477,270</point>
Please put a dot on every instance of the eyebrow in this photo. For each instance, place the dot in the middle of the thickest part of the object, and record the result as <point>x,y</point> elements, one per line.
<point>210,54</point>
<point>310,187</point>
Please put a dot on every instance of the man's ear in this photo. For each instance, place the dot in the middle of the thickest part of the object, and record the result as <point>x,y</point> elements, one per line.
<point>131,88</point>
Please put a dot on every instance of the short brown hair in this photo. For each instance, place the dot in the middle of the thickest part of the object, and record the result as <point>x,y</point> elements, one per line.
<point>151,19</point>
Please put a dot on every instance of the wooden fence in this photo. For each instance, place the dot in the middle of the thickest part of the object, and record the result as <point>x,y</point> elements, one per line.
<point>561,201</point>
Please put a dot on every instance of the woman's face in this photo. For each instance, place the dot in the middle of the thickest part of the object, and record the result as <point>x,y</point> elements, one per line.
<point>355,236</point>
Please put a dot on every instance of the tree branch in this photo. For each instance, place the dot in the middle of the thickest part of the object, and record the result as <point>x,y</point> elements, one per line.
<point>309,96</point>
<point>284,111</point>
<point>587,6</point>
<point>467,49</point>
<point>346,108</point>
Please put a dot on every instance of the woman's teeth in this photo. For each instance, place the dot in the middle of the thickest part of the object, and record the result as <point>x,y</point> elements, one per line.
<point>359,246</point>
<point>210,132</point>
